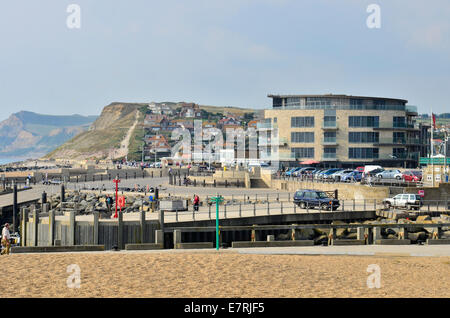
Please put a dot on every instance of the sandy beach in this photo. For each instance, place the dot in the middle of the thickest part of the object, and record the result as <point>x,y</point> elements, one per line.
<point>206,274</point>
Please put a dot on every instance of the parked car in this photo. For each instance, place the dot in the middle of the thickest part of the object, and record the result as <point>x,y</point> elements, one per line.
<point>329,172</point>
<point>390,174</point>
<point>412,176</point>
<point>290,172</point>
<point>337,176</point>
<point>315,198</point>
<point>307,170</point>
<point>360,169</point>
<point>408,201</point>
<point>352,176</point>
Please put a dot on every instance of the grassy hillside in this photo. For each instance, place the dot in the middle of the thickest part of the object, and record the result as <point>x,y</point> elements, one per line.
<point>105,135</point>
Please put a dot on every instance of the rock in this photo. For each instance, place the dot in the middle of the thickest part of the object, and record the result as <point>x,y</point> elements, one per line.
<point>422,218</point>
<point>283,237</point>
<point>351,236</point>
<point>320,232</point>
<point>392,237</point>
<point>393,231</point>
<point>304,234</point>
<point>446,234</point>
<point>414,237</point>
<point>320,239</point>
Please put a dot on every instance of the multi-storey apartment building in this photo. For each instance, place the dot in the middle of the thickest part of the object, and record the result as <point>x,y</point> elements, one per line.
<point>342,130</point>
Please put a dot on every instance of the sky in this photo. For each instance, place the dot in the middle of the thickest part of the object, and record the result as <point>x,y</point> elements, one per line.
<point>219,52</point>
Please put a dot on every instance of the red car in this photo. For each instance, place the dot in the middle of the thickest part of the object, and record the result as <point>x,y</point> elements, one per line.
<point>412,176</point>
<point>360,169</point>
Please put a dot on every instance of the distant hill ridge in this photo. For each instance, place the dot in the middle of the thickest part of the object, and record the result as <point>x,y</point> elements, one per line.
<point>30,135</point>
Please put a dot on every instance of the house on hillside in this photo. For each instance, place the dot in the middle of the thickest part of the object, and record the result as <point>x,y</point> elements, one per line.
<point>190,110</point>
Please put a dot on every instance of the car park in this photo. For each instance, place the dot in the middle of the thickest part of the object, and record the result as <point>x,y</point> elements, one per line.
<point>315,198</point>
<point>405,200</point>
<point>390,174</point>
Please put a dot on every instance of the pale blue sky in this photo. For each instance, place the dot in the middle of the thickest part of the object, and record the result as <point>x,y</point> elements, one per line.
<point>219,52</point>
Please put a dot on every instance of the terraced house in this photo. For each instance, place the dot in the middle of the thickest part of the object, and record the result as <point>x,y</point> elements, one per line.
<point>346,131</point>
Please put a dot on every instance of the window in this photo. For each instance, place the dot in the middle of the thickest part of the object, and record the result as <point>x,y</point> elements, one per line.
<point>329,151</point>
<point>302,137</point>
<point>356,104</point>
<point>399,153</point>
<point>363,137</point>
<point>292,101</point>
<point>318,101</point>
<point>363,121</point>
<point>275,119</point>
<point>302,152</point>
<point>302,122</point>
<point>399,122</point>
<point>399,137</point>
<point>363,153</point>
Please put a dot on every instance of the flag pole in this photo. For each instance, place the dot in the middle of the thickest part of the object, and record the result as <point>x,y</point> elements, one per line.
<point>432,148</point>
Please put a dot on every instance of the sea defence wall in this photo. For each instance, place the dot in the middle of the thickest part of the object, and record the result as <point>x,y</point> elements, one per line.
<point>71,230</point>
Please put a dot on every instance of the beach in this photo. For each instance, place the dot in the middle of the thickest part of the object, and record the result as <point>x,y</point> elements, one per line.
<point>224,274</point>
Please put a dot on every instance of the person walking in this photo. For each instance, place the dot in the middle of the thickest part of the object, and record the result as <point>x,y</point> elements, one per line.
<point>196,202</point>
<point>109,202</point>
<point>6,243</point>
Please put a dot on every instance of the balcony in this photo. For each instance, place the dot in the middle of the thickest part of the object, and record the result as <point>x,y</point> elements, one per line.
<point>331,125</point>
<point>266,126</point>
<point>398,141</point>
<point>411,110</point>
<point>329,141</point>
<point>263,142</point>
<point>396,126</point>
<point>329,157</point>
<point>400,157</point>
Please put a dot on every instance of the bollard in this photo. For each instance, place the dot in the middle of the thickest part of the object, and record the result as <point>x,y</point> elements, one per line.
<point>209,211</point>
<point>281,210</point>
<point>240,209</point>
<point>15,207</point>
<point>254,209</point>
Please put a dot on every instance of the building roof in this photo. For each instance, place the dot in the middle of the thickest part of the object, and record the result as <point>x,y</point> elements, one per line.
<point>337,96</point>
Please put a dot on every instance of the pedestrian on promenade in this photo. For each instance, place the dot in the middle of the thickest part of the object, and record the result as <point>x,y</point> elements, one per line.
<point>109,203</point>
<point>196,202</point>
<point>6,239</point>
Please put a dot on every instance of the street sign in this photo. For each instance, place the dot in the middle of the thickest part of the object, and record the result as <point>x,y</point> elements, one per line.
<point>422,193</point>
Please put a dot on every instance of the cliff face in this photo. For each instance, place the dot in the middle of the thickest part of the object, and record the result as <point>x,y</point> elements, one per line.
<point>31,135</point>
<point>107,134</point>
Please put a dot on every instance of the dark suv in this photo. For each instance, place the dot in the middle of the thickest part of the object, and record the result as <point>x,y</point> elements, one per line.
<point>315,198</point>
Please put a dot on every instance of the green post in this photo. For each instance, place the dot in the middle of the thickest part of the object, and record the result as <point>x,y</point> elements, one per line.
<point>217,200</point>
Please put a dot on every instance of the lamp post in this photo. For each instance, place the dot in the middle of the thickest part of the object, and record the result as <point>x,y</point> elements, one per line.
<point>116,181</point>
<point>445,156</point>
<point>218,199</point>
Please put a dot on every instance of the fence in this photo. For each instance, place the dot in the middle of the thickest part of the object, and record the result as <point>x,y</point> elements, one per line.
<point>371,182</point>
<point>73,230</point>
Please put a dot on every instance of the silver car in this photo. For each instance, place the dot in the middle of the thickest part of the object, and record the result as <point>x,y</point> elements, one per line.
<point>390,174</point>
